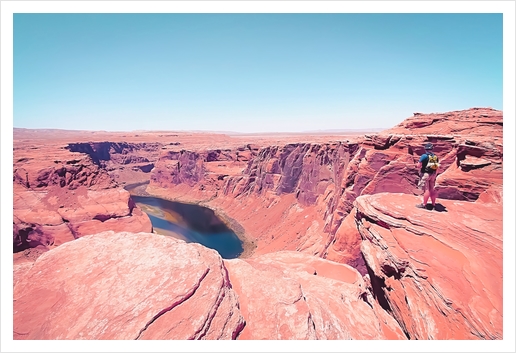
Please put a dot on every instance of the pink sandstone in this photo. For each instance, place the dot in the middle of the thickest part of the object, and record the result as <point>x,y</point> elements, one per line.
<point>438,272</point>
<point>351,202</point>
<point>126,286</point>
<point>291,295</point>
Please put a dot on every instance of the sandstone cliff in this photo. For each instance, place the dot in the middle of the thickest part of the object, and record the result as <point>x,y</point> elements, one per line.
<point>335,239</point>
<point>431,275</point>
<point>298,196</point>
<point>61,196</point>
<point>148,286</point>
<point>438,273</point>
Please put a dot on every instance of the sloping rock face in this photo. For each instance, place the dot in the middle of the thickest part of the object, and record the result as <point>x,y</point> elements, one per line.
<point>147,286</point>
<point>122,160</point>
<point>482,122</point>
<point>300,196</point>
<point>61,196</point>
<point>439,273</point>
<point>290,295</point>
<point>126,286</point>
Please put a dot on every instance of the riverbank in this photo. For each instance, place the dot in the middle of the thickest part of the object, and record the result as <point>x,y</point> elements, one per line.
<point>249,246</point>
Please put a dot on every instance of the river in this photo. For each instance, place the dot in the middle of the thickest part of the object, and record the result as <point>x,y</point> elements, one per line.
<point>191,223</point>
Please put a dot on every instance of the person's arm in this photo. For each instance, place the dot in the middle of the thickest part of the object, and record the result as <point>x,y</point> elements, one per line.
<point>420,163</point>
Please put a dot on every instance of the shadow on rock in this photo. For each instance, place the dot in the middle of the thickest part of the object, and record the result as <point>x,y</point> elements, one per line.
<point>440,208</point>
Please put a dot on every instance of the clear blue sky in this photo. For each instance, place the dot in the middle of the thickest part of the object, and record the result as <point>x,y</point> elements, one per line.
<point>251,72</point>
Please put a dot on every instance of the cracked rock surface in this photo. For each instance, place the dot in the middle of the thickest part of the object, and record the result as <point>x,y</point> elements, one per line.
<point>439,273</point>
<point>125,286</point>
<point>291,295</point>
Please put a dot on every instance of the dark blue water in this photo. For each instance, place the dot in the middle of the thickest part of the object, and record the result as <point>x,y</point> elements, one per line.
<point>192,223</point>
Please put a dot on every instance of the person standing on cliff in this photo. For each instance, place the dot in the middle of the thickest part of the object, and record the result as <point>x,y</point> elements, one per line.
<point>428,165</point>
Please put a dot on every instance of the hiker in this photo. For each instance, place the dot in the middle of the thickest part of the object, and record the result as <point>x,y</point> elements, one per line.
<point>428,165</point>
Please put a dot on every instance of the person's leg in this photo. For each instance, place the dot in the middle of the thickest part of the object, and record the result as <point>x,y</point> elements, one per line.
<point>426,188</point>
<point>431,188</point>
<point>426,195</point>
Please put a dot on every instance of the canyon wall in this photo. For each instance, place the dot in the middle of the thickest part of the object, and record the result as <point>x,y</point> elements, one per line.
<point>61,196</point>
<point>431,275</point>
<point>299,196</point>
<point>338,249</point>
<point>120,157</point>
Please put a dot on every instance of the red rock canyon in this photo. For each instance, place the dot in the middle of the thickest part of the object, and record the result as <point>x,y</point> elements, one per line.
<point>334,247</point>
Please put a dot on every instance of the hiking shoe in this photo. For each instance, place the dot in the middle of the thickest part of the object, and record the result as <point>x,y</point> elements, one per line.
<point>420,205</point>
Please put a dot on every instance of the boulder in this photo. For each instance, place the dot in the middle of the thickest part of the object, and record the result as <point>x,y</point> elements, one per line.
<point>125,286</point>
<point>294,296</point>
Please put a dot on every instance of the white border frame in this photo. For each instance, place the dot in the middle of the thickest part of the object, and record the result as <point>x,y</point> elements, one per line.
<point>8,8</point>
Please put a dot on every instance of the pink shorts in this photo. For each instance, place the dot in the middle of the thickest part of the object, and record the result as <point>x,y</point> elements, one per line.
<point>427,181</point>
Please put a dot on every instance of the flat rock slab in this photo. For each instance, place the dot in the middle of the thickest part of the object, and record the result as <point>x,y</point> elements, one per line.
<point>125,286</point>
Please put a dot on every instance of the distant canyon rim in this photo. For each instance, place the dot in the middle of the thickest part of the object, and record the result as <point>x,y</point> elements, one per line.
<point>334,247</point>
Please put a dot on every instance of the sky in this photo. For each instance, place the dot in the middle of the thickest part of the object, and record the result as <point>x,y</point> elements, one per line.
<point>251,72</point>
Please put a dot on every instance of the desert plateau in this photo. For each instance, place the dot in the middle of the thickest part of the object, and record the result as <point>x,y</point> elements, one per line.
<point>332,245</point>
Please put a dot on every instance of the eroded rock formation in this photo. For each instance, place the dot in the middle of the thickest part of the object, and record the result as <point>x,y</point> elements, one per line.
<point>126,286</point>
<point>480,122</point>
<point>291,295</point>
<point>298,196</point>
<point>61,196</point>
<point>120,157</point>
<point>336,242</point>
<point>148,286</point>
<point>438,273</point>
